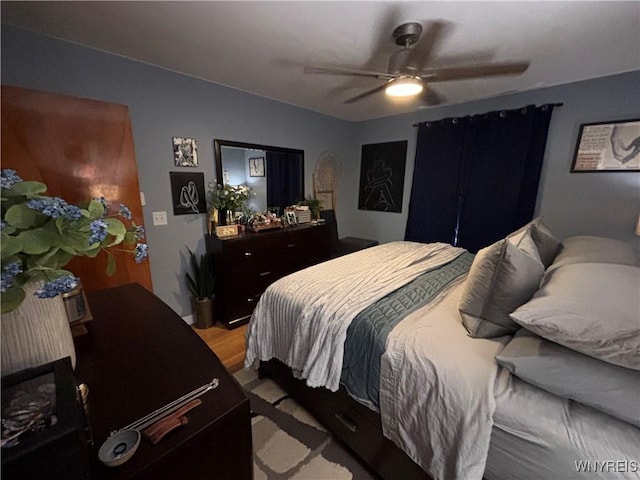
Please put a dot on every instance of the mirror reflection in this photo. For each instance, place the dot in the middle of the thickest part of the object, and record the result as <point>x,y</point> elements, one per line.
<point>275,174</point>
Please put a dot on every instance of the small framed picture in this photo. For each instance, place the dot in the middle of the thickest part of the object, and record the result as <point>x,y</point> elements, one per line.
<point>608,147</point>
<point>185,152</point>
<point>256,167</point>
<point>290,218</point>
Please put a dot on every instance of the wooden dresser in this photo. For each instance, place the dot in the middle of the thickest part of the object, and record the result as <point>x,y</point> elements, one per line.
<point>247,264</point>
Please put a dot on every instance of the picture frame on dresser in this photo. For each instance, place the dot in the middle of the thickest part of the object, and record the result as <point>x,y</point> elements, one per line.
<point>290,219</point>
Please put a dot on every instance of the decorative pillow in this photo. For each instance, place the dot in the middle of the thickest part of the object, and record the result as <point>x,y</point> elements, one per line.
<point>502,277</point>
<point>589,249</point>
<point>546,243</point>
<point>591,308</point>
<point>609,388</point>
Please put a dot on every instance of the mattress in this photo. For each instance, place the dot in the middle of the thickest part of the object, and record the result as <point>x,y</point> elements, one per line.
<point>538,435</point>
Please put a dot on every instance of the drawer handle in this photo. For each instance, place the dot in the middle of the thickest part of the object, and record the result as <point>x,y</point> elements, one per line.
<point>291,245</point>
<point>347,422</point>
<point>251,300</point>
<point>264,274</point>
<point>247,254</point>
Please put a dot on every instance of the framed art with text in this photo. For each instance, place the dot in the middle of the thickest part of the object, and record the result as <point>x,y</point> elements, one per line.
<point>608,147</point>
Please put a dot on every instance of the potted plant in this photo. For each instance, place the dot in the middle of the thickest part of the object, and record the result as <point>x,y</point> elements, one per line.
<point>314,205</point>
<point>200,282</point>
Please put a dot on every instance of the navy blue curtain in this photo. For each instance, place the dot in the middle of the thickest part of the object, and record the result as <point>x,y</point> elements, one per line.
<point>476,178</point>
<point>284,173</point>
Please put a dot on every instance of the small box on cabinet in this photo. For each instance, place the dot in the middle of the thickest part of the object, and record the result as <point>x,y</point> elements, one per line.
<point>53,443</point>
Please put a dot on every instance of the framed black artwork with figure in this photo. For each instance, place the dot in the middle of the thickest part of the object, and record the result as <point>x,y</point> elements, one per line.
<point>382,176</point>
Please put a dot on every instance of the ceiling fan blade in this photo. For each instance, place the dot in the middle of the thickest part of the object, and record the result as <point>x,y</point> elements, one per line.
<point>366,94</point>
<point>347,71</point>
<point>430,97</point>
<point>423,50</point>
<point>472,71</point>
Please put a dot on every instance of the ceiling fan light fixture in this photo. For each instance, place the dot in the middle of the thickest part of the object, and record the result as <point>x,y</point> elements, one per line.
<point>404,86</point>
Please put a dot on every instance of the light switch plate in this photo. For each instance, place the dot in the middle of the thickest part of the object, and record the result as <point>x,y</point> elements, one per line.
<point>159,218</point>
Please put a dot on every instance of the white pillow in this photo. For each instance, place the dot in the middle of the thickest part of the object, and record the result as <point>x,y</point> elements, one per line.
<point>502,277</point>
<point>592,308</point>
<point>589,249</point>
<point>609,388</point>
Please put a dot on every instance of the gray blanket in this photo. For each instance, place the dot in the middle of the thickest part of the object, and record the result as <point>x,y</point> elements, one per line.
<point>367,334</point>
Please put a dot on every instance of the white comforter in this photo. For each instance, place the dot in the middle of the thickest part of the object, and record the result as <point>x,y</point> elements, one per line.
<point>302,319</point>
<point>437,391</point>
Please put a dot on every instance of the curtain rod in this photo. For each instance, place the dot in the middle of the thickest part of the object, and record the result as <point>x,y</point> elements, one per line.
<point>552,104</point>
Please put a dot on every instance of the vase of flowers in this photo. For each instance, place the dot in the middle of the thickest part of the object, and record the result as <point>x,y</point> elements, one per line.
<point>40,234</point>
<point>223,201</point>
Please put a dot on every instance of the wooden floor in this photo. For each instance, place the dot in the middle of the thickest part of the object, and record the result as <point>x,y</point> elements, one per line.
<point>227,344</point>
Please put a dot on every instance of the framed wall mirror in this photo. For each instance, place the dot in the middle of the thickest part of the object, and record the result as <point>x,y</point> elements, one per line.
<point>275,174</point>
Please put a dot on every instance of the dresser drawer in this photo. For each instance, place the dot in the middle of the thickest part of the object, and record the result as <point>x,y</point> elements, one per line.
<point>241,304</point>
<point>285,244</point>
<point>240,254</point>
<point>246,265</point>
<point>254,279</point>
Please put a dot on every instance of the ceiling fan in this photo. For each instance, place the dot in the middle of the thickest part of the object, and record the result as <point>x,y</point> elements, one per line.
<point>408,74</point>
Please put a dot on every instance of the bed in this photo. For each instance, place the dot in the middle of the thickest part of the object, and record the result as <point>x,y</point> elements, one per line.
<point>426,360</point>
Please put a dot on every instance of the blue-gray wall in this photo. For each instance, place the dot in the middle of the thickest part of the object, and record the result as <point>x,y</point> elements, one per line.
<point>163,104</point>
<point>606,204</point>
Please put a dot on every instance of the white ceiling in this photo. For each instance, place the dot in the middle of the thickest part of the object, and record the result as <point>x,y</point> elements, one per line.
<point>262,47</point>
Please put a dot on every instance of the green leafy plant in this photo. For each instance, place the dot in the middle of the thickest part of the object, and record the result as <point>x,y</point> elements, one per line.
<point>201,279</point>
<point>229,197</point>
<point>314,205</point>
<point>40,234</point>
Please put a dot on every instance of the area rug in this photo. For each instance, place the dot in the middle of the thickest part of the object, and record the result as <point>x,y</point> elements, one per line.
<point>288,443</point>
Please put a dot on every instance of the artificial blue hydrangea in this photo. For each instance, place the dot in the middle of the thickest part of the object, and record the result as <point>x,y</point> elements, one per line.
<point>56,287</point>
<point>98,231</point>
<point>139,232</point>
<point>6,282</point>
<point>141,251</point>
<point>9,271</point>
<point>8,178</point>
<point>125,211</point>
<point>55,207</point>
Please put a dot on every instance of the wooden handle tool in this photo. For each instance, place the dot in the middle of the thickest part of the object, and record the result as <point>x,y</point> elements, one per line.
<point>159,429</point>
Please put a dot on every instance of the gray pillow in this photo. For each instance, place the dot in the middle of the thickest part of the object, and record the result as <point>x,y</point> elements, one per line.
<point>590,249</point>
<point>546,243</point>
<point>609,388</point>
<point>592,308</point>
<point>502,277</point>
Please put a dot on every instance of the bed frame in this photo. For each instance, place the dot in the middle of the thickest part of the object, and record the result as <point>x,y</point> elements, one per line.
<point>358,427</point>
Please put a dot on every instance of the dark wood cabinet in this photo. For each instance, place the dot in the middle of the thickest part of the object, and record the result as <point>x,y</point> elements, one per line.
<point>247,264</point>
<point>138,356</point>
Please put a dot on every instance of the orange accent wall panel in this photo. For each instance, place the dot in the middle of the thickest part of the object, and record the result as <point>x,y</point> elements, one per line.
<point>81,149</point>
